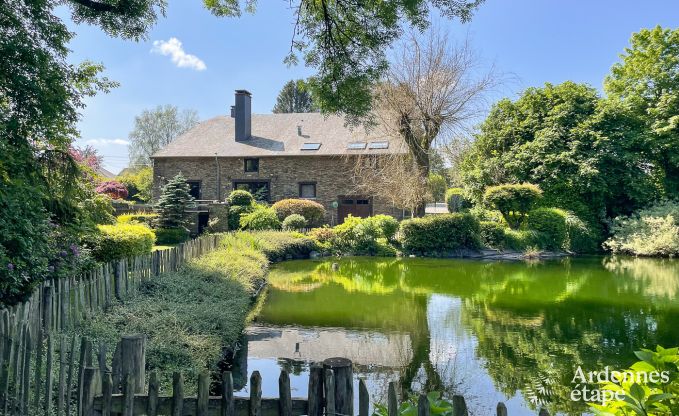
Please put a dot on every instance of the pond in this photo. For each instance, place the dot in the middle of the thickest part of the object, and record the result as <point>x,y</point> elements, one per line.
<point>491,331</point>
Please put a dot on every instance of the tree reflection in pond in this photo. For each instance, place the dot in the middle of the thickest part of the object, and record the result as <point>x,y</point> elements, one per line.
<point>490,331</point>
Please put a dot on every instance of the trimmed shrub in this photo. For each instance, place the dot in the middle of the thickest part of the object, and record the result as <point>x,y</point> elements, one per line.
<point>493,234</point>
<point>280,245</point>
<point>312,211</point>
<point>456,201</point>
<point>240,198</point>
<point>235,213</point>
<point>357,236</point>
<point>652,231</point>
<point>294,222</point>
<point>521,239</point>
<point>121,241</point>
<point>114,189</point>
<point>491,215</point>
<point>514,201</point>
<point>261,218</point>
<point>386,224</point>
<point>145,218</point>
<point>325,237</point>
<point>439,234</point>
<point>551,224</point>
<point>171,236</point>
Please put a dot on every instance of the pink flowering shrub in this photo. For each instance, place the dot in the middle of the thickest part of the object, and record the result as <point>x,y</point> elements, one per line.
<point>114,189</point>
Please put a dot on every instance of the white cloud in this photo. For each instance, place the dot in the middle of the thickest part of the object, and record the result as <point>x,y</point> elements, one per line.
<point>174,49</point>
<point>106,142</point>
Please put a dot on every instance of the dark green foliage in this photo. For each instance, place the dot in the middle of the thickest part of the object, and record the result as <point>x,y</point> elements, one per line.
<point>580,237</point>
<point>312,211</point>
<point>440,234</point>
<point>171,236</point>
<point>294,222</point>
<point>261,218</point>
<point>492,234</point>
<point>121,241</point>
<point>357,236</point>
<point>295,97</point>
<point>551,224</point>
<point>173,202</point>
<point>513,201</point>
<point>280,245</point>
<point>386,224</point>
<point>456,200</point>
<point>521,239</point>
<point>240,198</point>
<point>235,213</point>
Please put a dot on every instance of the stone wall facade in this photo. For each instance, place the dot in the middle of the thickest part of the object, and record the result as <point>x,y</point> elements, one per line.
<point>332,176</point>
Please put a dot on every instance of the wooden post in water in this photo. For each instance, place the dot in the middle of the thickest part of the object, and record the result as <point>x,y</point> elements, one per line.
<point>255,394</point>
<point>459,406</point>
<point>344,384</point>
<point>284,395</point>
<point>330,409</point>
<point>315,398</point>
<point>363,399</point>
<point>423,406</point>
<point>228,405</point>
<point>133,359</point>
<point>501,409</point>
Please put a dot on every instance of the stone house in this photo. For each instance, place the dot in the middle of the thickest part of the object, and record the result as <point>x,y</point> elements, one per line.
<point>276,156</point>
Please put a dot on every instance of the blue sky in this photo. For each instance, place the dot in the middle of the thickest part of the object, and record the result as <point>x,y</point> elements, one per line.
<point>536,41</point>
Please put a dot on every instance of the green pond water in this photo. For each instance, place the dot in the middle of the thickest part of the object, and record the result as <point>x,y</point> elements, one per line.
<point>491,331</point>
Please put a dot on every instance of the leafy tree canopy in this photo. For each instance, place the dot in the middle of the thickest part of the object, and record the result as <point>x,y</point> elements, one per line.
<point>295,97</point>
<point>155,129</point>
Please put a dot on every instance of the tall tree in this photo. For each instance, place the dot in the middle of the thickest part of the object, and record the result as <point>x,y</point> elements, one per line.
<point>646,80</point>
<point>432,91</point>
<point>155,129</point>
<point>295,97</point>
<point>586,154</point>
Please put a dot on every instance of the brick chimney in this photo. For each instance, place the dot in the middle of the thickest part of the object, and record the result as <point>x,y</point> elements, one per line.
<point>243,114</point>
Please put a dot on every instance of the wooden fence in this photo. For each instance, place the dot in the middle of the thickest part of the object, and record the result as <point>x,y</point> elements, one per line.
<point>32,352</point>
<point>122,391</point>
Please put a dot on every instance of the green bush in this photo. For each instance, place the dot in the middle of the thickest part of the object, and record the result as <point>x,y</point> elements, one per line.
<point>484,214</point>
<point>294,222</point>
<point>312,211</point>
<point>439,234</point>
<point>145,218</point>
<point>437,186</point>
<point>325,237</point>
<point>652,231</point>
<point>456,201</point>
<point>386,224</point>
<point>261,218</point>
<point>493,234</point>
<point>581,239</point>
<point>357,236</point>
<point>280,245</point>
<point>240,198</point>
<point>121,241</point>
<point>235,213</point>
<point>514,201</point>
<point>521,239</point>
<point>171,236</point>
<point>551,224</point>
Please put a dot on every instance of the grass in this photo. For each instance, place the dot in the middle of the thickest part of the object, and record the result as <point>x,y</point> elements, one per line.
<point>190,316</point>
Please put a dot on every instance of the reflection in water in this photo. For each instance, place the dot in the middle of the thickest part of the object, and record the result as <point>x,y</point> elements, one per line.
<point>489,331</point>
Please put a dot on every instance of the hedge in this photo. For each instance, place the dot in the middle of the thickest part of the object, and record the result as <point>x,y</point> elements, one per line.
<point>493,234</point>
<point>171,236</point>
<point>312,211</point>
<point>551,224</point>
<point>514,201</point>
<point>240,198</point>
<point>120,241</point>
<point>262,218</point>
<point>146,218</point>
<point>294,222</point>
<point>439,234</point>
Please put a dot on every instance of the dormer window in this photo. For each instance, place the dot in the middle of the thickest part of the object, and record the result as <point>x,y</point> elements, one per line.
<point>251,165</point>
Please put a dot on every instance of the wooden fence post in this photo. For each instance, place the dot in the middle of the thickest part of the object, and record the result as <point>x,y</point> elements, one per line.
<point>228,405</point>
<point>177,394</point>
<point>255,394</point>
<point>329,380</point>
<point>459,406</point>
<point>133,359</point>
<point>315,398</point>
<point>284,395</point>
<point>423,406</point>
<point>90,386</point>
<point>203,394</point>
<point>363,399</point>
<point>501,409</point>
<point>392,400</point>
<point>344,384</point>
<point>128,395</point>
<point>154,386</point>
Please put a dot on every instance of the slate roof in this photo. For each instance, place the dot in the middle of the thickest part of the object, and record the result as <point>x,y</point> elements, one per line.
<point>277,135</point>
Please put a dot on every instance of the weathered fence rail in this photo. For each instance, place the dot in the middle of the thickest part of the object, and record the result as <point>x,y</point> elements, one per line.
<point>30,351</point>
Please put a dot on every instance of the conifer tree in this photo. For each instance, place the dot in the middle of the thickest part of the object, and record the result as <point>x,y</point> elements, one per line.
<point>173,202</point>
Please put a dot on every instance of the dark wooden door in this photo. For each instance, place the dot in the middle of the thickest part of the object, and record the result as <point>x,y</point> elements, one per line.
<point>356,205</point>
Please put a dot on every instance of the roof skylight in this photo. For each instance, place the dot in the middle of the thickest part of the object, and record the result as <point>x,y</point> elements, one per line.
<point>356,145</point>
<point>311,146</point>
<point>378,145</point>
